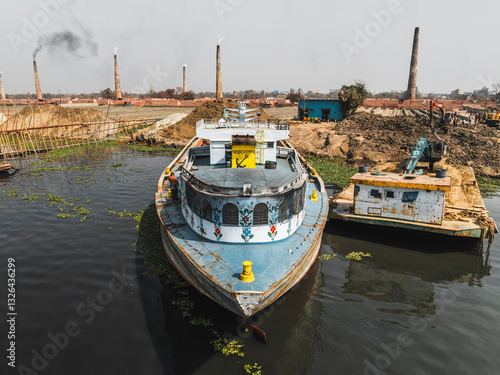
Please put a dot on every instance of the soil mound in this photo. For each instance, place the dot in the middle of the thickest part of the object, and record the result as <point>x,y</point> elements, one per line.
<point>368,139</point>
<point>45,115</point>
<point>186,128</point>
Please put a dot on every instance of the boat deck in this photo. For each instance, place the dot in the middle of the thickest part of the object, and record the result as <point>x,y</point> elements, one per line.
<point>272,262</point>
<point>221,175</point>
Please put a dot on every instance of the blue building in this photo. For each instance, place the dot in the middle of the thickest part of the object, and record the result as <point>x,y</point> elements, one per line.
<point>323,109</point>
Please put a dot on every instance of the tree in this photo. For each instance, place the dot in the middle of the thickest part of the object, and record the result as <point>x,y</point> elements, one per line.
<point>351,97</point>
<point>188,95</point>
<point>108,93</point>
<point>496,90</point>
<point>294,97</point>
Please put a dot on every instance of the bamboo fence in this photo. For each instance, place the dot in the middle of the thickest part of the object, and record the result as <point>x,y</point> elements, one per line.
<point>39,129</point>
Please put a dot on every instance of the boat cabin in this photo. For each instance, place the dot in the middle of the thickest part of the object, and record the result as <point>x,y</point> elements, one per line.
<point>244,185</point>
<point>410,197</point>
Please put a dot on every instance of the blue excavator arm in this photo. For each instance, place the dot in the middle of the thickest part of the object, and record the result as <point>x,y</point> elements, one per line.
<point>420,150</point>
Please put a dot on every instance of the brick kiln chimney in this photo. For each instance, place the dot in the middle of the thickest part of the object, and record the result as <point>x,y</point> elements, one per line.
<point>411,93</point>
<point>218,83</point>
<point>118,90</point>
<point>37,83</point>
<point>2,92</point>
<point>184,86</point>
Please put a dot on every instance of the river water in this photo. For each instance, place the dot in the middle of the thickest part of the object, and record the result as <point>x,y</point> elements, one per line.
<point>419,305</point>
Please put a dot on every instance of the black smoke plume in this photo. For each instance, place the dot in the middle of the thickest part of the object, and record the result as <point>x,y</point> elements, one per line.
<point>69,42</point>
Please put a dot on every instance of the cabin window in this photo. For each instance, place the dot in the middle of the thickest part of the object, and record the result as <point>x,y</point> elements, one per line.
<point>375,193</point>
<point>270,144</point>
<point>283,211</point>
<point>410,196</point>
<point>260,214</point>
<point>207,210</point>
<point>356,190</point>
<point>389,194</point>
<point>230,214</point>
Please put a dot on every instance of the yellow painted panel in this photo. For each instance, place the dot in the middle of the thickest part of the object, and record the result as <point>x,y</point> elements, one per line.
<point>243,155</point>
<point>400,184</point>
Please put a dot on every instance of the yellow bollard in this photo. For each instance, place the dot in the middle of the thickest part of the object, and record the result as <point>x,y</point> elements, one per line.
<point>247,274</point>
<point>313,172</point>
<point>169,194</point>
<point>314,196</point>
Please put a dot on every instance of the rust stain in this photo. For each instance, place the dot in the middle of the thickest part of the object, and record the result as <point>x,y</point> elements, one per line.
<point>218,257</point>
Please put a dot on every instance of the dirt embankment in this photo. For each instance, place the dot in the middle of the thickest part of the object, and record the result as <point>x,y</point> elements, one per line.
<point>367,139</point>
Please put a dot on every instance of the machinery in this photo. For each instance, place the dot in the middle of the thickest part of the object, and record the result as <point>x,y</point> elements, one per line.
<point>435,103</point>
<point>425,151</point>
<point>493,119</point>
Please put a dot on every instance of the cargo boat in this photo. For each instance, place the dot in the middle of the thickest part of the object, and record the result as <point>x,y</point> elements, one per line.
<point>249,215</point>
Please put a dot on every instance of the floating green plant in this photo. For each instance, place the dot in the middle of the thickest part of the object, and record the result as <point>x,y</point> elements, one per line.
<point>185,306</point>
<point>148,148</point>
<point>64,216</point>
<point>12,193</point>
<point>327,256</point>
<point>228,347</point>
<point>201,322</point>
<point>357,255</point>
<point>254,369</point>
<point>53,199</point>
<point>30,198</point>
<point>489,187</point>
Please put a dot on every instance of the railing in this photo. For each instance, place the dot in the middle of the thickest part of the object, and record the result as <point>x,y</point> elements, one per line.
<point>299,179</point>
<point>256,124</point>
<point>289,153</point>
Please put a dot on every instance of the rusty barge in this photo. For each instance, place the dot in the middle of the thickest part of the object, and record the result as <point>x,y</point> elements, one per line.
<point>250,213</point>
<point>448,204</point>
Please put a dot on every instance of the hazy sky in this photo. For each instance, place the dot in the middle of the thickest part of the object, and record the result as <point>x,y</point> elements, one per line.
<point>266,45</point>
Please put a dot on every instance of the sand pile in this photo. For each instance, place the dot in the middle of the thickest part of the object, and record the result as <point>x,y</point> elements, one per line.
<point>44,115</point>
<point>186,128</point>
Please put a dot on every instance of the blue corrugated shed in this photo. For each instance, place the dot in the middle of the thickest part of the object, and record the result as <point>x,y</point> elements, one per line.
<point>323,109</point>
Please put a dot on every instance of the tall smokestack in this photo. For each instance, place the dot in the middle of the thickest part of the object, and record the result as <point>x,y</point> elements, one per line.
<point>184,86</point>
<point>37,82</point>
<point>218,83</point>
<point>411,93</point>
<point>118,90</point>
<point>2,93</point>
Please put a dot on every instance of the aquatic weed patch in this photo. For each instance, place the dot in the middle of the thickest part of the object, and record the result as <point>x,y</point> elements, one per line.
<point>327,256</point>
<point>30,198</point>
<point>254,369</point>
<point>357,255</point>
<point>228,347</point>
<point>149,148</point>
<point>332,170</point>
<point>489,187</point>
<point>12,193</point>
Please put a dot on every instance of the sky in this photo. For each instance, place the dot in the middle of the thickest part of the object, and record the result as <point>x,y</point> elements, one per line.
<point>265,44</point>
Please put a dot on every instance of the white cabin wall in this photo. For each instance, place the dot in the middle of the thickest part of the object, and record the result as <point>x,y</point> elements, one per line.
<point>427,208</point>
